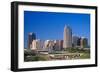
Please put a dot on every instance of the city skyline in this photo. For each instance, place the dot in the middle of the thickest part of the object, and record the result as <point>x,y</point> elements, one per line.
<point>68,41</point>
<point>34,21</point>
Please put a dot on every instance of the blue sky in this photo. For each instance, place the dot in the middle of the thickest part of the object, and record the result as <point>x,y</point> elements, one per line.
<point>50,25</point>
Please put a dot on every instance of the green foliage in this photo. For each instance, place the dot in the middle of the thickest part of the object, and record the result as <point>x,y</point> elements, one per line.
<point>85,56</point>
<point>76,50</point>
<point>36,58</point>
<point>33,56</point>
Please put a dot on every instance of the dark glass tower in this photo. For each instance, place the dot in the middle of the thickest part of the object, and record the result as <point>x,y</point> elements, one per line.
<point>31,37</point>
<point>79,42</point>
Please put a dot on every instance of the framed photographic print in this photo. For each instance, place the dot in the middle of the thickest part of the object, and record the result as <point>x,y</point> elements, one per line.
<point>52,36</point>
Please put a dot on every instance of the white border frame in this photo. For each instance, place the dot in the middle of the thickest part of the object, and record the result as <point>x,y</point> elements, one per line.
<point>22,64</point>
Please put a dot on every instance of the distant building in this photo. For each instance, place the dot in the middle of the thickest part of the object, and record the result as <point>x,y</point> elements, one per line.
<point>34,45</point>
<point>67,38</point>
<point>46,44</point>
<point>56,45</point>
<point>84,42</point>
<point>79,42</point>
<point>49,45</point>
<point>61,44</point>
<point>42,45</point>
<point>37,45</point>
<point>31,37</point>
<point>75,41</point>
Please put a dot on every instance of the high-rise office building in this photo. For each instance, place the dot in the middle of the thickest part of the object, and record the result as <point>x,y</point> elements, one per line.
<point>67,37</point>
<point>79,41</point>
<point>84,42</point>
<point>61,44</point>
<point>37,45</point>
<point>75,41</point>
<point>31,37</point>
<point>49,45</point>
<point>46,44</point>
<point>56,45</point>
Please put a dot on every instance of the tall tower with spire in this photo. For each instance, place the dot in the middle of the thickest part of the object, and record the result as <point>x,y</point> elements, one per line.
<point>67,37</point>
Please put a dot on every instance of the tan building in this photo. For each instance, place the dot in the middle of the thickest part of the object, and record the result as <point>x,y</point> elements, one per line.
<point>67,37</point>
<point>84,42</point>
<point>49,45</point>
<point>61,44</point>
<point>56,45</point>
<point>37,45</point>
<point>46,44</point>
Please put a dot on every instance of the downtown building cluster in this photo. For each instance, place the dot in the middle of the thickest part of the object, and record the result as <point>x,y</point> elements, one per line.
<point>68,41</point>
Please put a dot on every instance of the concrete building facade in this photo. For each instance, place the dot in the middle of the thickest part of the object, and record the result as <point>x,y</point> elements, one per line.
<point>67,37</point>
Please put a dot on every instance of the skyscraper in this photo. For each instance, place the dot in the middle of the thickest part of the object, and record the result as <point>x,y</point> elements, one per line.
<point>49,45</point>
<point>67,37</point>
<point>37,44</point>
<point>61,44</point>
<point>31,37</point>
<point>75,41</point>
<point>79,41</point>
<point>56,46</point>
<point>84,42</point>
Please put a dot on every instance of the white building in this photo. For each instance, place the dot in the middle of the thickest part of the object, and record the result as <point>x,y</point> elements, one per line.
<point>49,45</point>
<point>67,38</point>
<point>57,45</point>
<point>37,45</point>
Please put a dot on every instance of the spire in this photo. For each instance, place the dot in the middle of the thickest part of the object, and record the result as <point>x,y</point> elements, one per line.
<point>65,27</point>
<point>30,33</point>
